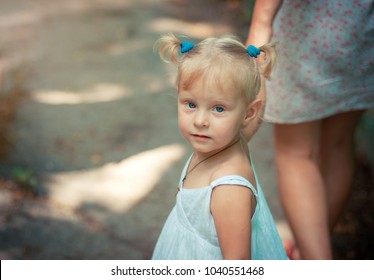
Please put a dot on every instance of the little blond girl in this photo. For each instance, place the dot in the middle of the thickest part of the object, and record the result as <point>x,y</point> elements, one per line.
<point>220,211</point>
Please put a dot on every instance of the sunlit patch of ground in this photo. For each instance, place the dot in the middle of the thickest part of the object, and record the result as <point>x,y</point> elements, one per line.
<point>115,186</point>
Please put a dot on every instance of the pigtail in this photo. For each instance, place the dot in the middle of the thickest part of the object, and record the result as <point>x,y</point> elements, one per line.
<point>269,60</point>
<point>168,47</point>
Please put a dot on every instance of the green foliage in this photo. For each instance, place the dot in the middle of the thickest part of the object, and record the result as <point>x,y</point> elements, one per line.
<point>365,137</point>
<point>25,179</point>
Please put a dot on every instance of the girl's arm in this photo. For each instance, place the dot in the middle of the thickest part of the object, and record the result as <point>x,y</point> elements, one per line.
<point>260,30</point>
<point>231,211</point>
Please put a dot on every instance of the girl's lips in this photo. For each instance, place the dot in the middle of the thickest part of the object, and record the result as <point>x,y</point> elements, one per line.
<point>200,136</point>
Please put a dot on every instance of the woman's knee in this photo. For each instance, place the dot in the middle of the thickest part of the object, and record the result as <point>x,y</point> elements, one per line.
<point>338,131</point>
<point>299,141</point>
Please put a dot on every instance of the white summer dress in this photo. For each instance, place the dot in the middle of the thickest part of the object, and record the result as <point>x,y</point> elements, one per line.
<point>189,232</point>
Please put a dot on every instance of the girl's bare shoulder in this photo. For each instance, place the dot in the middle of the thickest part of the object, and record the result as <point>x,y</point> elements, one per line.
<point>237,165</point>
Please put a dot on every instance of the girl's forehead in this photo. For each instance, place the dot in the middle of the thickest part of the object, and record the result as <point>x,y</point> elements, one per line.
<point>208,82</point>
<point>210,90</point>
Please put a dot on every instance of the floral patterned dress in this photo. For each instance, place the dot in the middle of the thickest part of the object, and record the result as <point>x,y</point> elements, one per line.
<point>325,60</point>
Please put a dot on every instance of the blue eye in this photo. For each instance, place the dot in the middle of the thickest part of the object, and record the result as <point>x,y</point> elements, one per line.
<point>219,109</point>
<point>191,105</point>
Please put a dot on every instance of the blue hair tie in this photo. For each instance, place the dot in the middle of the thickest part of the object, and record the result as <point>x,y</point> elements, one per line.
<point>253,51</point>
<point>186,46</point>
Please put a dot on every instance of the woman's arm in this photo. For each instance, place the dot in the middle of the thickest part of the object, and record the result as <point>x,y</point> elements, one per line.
<point>259,33</point>
<point>260,30</point>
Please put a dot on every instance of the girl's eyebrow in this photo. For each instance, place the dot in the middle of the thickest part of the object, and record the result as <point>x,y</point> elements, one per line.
<point>225,99</point>
<point>185,96</point>
<point>184,92</point>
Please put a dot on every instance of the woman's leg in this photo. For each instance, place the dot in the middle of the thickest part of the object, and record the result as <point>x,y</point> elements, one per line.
<point>301,187</point>
<point>337,160</point>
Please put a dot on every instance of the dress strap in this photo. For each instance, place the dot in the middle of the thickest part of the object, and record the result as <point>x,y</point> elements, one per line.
<point>253,169</point>
<point>234,180</point>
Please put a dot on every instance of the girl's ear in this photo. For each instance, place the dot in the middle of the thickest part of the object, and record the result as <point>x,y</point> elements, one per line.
<point>254,110</point>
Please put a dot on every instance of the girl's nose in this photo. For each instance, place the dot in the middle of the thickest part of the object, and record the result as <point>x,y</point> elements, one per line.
<point>201,119</point>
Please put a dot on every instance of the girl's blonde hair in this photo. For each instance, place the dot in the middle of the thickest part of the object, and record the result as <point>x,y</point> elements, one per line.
<point>225,60</point>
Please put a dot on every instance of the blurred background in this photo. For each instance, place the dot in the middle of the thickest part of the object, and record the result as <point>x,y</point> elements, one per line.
<point>90,152</point>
